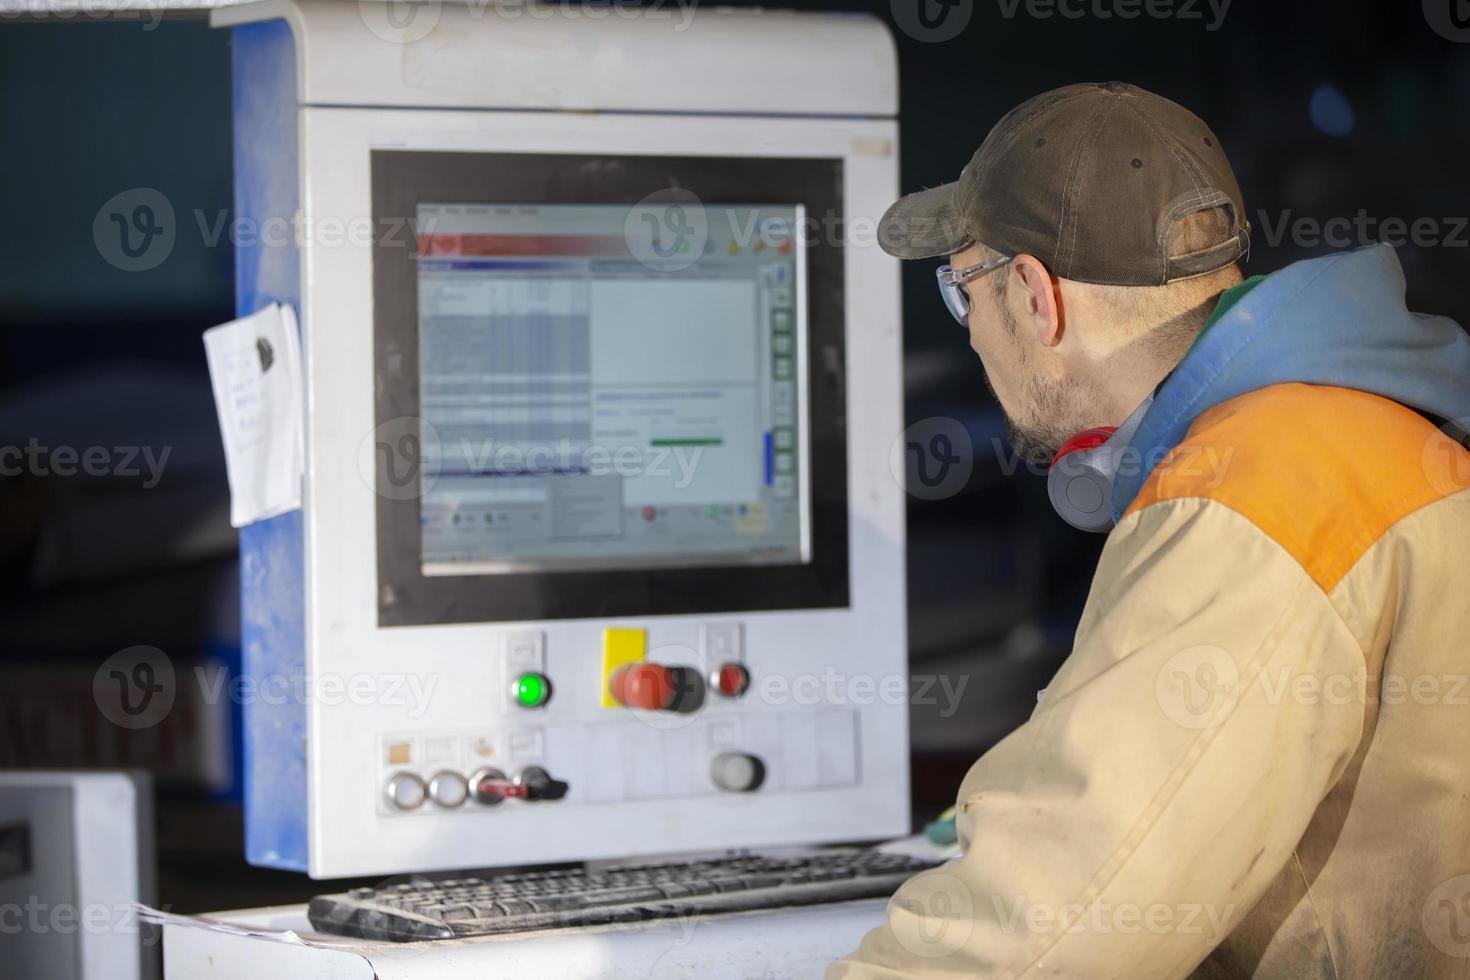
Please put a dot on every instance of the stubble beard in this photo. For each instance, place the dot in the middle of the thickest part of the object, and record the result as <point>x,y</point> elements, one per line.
<point>1038,439</point>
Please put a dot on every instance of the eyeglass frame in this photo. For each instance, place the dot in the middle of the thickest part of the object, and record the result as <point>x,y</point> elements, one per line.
<point>952,287</point>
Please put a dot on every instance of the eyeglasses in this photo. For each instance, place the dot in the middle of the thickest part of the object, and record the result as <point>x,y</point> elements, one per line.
<point>952,286</point>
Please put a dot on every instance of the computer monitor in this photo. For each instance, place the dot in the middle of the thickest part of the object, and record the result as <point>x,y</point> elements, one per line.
<point>583,407</point>
<point>76,858</point>
<point>606,373</point>
<point>600,552</point>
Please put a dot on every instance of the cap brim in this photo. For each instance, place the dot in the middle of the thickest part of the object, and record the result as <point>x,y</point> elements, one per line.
<point>924,226</point>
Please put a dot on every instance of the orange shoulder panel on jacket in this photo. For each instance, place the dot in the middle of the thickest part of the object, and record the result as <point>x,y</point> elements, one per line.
<point>1323,471</point>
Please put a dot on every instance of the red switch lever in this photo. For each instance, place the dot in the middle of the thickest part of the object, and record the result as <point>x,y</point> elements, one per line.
<point>642,685</point>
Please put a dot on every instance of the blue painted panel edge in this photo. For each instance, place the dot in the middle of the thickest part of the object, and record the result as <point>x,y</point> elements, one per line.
<point>272,552</point>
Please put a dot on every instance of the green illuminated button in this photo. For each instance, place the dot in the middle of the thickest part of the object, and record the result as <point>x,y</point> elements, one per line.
<point>532,690</point>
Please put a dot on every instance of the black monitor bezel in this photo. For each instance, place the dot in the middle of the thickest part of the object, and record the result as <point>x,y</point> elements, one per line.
<point>403,179</point>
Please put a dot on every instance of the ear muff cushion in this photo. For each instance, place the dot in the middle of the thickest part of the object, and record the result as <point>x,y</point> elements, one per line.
<point>1083,441</point>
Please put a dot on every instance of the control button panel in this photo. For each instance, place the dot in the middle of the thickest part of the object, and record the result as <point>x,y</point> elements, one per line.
<point>586,762</point>
<point>487,786</point>
<point>523,754</point>
<point>443,771</point>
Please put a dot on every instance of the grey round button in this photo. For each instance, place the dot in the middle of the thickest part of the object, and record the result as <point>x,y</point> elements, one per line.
<point>405,791</point>
<point>737,772</point>
<point>448,789</point>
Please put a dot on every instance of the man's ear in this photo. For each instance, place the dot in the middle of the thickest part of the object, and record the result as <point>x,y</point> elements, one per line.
<point>1043,299</point>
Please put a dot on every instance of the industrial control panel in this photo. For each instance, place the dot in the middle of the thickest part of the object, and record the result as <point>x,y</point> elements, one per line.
<point>600,551</point>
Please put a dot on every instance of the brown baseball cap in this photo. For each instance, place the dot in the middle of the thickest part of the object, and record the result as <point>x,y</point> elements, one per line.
<point>1092,180</point>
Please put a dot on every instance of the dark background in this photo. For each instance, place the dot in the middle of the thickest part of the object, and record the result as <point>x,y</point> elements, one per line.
<point>1324,108</point>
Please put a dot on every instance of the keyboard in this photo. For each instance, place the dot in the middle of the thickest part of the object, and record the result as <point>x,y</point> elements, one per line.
<point>462,907</point>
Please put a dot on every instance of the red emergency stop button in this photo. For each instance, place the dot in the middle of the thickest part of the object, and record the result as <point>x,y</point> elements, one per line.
<point>731,679</point>
<point>643,685</point>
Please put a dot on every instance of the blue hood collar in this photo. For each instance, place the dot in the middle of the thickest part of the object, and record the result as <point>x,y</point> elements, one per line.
<point>1340,320</point>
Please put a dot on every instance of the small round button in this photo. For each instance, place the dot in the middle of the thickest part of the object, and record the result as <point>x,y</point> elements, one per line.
<point>643,685</point>
<point>531,690</point>
<point>448,789</point>
<point>737,772</point>
<point>730,679</point>
<point>405,791</point>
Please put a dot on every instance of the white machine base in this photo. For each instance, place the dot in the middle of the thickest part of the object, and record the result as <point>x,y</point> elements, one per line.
<point>796,942</point>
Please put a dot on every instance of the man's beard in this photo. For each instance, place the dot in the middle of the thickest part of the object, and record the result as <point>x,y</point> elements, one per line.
<point>1035,442</point>
<point>1039,443</point>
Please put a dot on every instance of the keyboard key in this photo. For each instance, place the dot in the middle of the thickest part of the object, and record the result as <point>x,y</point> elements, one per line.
<point>514,906</point>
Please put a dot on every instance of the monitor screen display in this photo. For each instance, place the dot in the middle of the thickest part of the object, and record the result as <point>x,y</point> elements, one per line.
<point>608,386</point>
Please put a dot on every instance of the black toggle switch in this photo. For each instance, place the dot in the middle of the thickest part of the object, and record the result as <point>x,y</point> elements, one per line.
<point>539,785</point>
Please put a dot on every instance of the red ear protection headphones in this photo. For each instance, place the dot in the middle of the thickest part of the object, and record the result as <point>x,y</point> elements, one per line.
<point>1080,481</point>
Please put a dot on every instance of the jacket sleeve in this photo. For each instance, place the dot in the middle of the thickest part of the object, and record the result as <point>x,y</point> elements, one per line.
<point>1212,699</point>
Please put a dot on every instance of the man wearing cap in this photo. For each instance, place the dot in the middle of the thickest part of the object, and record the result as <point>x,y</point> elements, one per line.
<point>1256,759</point>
